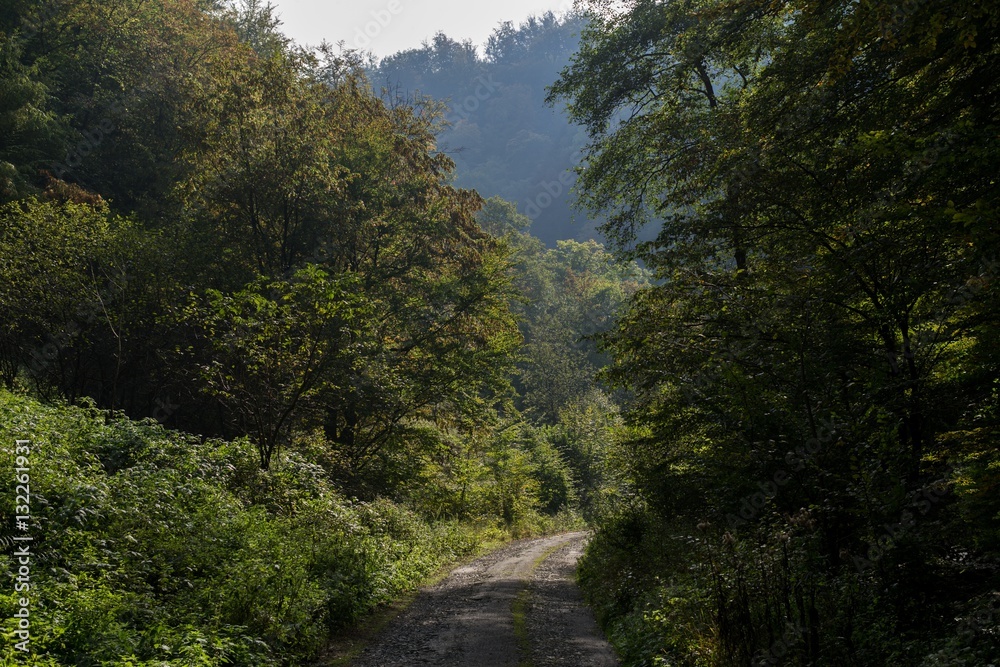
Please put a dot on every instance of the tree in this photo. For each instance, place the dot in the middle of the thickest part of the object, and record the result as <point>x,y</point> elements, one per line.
<point>499,217</point>
<point>29,129</point>
<point>122,74</point>
<point>498,131</point>
<point>76,306</point>
<point>262,179</point>
<point>276,345</point>
<point>306,165</point>
<point>570,295</point>
<point>806,166</point>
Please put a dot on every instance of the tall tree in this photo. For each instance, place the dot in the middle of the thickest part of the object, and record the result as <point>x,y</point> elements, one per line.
<point>822,175</point>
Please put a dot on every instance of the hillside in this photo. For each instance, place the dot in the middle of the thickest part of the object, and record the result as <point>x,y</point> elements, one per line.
<point>505,140</point>
<point>265,364</point>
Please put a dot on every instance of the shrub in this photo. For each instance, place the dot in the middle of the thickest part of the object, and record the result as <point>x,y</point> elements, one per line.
<point>154,547</point>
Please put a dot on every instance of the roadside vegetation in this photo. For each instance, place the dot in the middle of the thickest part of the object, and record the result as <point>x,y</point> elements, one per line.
<point>273,369</point>
<point>152,547</point>
<point>808,464</point>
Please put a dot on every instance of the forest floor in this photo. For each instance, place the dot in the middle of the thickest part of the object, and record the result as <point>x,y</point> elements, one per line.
<point>518,606</point>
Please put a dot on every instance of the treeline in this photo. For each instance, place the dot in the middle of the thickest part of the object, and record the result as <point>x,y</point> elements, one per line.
<point>280,254</point>
<point>505,140</point>
<point>809,464</point>
<point>207,229</point>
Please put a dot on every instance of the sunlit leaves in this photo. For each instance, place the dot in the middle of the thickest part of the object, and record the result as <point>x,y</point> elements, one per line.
<point>274,345</point>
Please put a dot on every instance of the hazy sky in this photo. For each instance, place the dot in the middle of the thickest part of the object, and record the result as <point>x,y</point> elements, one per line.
<point>387,26</point>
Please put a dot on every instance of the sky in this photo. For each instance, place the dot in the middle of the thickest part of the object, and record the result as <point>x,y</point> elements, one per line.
<point>388,26</point>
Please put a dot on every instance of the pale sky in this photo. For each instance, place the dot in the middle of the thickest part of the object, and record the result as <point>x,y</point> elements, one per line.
<point>388,26</point>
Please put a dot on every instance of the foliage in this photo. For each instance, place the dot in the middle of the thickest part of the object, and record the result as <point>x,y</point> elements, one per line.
<point>78,286</point>
<point>173,549</point>
<point>28,126</point>
<point>571,294</point>
<point>226,162</point>
<point>814,372</point>
<point>505,142</point>
<point>273,345</point>
<point>205,226</point>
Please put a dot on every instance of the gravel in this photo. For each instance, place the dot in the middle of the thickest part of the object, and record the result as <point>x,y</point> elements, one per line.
<point>467,619</point>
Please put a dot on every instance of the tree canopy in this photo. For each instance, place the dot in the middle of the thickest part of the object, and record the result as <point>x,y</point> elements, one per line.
<point>820,347</point>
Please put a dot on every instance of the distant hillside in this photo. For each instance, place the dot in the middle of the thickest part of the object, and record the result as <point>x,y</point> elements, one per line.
<point>503,137</point>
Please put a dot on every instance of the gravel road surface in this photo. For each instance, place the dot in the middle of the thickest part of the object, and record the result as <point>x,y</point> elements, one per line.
<point>516,607</point>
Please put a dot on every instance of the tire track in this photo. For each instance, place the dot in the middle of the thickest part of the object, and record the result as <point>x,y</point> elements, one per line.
<point>469,618</point>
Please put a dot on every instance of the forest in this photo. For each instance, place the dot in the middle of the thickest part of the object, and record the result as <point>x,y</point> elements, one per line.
<point>505,140</point>
<point>284,332</point>
<point>265,367</point>
<point>807,472</point>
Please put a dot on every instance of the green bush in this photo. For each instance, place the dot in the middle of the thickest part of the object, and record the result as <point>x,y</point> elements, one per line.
<point>154,547</point>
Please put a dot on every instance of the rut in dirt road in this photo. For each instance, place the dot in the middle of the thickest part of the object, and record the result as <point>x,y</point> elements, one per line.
<point>468,619</point>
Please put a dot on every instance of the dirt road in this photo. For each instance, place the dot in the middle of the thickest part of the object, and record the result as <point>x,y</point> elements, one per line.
<point>516,607</point>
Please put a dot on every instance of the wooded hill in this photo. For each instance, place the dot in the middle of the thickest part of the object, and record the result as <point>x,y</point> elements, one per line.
<point>207,230</point>
<point>505,140</point>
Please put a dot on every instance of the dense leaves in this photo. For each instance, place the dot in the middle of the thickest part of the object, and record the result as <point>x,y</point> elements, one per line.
<point>815,374</point>
<point>156,548</point>
<point>216,162</point>
<point>205,227</point>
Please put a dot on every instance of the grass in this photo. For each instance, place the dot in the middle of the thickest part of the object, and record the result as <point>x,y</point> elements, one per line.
<point>520,607</point>
<point>348,644</point>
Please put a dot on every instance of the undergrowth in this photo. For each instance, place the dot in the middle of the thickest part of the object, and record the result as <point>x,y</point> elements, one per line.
<point>152,547</point>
